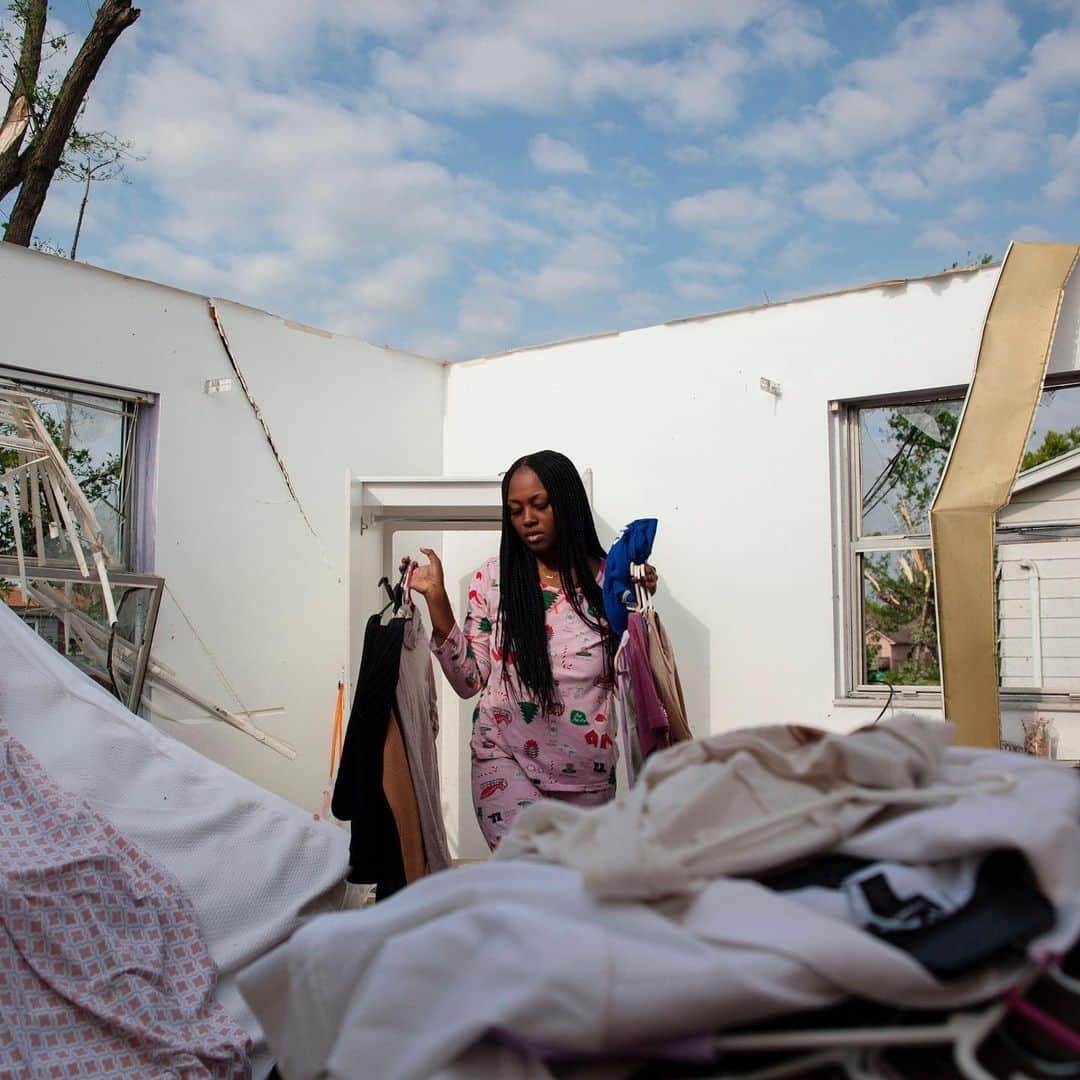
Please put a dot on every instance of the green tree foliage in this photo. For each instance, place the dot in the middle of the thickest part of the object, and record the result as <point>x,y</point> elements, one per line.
<point>899,586</point>
<point>972,261</point>
<point>1054,444</point>
<point>899,600</point>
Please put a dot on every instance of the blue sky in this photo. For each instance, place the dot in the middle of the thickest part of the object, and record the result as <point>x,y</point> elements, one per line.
<point>459,178</point>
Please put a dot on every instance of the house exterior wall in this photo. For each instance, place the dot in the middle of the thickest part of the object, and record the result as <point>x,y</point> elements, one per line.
<point>1049,503</point>
<point>1039,581</point>
<point>674,425</point>
<point>252,590</point>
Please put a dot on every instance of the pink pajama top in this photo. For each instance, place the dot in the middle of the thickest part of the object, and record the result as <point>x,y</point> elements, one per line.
<point>570,748</point>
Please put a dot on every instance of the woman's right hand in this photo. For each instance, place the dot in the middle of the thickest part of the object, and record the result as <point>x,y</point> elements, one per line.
<point>428,580</point>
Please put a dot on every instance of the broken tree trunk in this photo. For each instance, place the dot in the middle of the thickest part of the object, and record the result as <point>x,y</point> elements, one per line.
<point>35,167</point>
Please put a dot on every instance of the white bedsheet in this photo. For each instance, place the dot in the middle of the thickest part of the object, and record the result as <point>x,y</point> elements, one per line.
<point>248,859</point>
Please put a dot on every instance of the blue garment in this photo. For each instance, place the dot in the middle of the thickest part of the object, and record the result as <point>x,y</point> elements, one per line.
<point>633,546</point>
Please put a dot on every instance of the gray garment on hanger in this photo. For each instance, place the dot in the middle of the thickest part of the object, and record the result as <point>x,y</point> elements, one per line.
<point>418,713</point>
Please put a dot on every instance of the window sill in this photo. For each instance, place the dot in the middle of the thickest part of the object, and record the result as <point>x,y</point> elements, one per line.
<point>899,701</point>
<point>1009,704</point>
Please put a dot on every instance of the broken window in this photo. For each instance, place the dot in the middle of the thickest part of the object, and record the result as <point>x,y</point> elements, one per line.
<point>95,434</point>
<point>43,578</point>
<point>891,455</point>
<point>68,611</point>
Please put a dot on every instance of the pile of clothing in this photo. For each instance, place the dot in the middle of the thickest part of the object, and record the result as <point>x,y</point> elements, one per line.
<point>748,877</point>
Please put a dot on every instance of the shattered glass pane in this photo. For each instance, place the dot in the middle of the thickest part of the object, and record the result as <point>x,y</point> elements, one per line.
<point>903,450</point>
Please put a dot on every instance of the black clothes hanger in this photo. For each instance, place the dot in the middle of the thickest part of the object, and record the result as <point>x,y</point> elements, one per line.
<point>384,583</point>
<point>395,594</point>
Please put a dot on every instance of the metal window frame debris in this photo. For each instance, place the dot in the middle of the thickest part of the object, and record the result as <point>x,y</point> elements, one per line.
<point>42,472</point>
<point>129,658</point>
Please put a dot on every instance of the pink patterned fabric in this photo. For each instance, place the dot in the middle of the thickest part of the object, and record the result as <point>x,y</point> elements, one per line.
<point>501,790</point>
<point>103,968</point>
<point>572,748</point>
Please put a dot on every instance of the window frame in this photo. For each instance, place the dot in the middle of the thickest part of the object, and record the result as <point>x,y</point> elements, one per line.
<point>847,546</point>
<point>133,404</point>
<point>154,587</point>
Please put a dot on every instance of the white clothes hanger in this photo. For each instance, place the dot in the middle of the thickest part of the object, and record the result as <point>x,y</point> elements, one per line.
<point>853,1049</point>
<point>641,593</point>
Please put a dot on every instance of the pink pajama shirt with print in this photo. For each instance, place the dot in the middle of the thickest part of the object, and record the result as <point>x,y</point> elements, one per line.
<point>520,752</point>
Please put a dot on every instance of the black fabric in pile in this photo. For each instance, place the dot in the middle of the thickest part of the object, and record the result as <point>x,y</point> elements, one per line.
<point>1005,913</point>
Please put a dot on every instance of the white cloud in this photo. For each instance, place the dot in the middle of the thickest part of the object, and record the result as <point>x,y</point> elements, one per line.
<point>695,265</point>
<point>879,100</point>
<point>400,283</point>
<point>1066,155</point>
<point>321,202</point>
<point>939,238</point>
<point>487,312</point>
<point>969,209</point>
<point>688,154</point>
<point>842,198</point>
<point>969,152</point>
<point>270,37</point>
<point>463,71</point>
<point>639,307</point>
<point>571,213</point>
<point>584,267</point>
<point>554,155</point>
<point>565,55</point>
<point>740,217</point>
<point>1003,134</point>
<point>315,175</point>
<point>162,260</point>
<point>702,86</point>
<point>898,183</point>
<point>702,279</point>
<point>793,37</point>
<point>799,255</point>
<point>617,24</point>
<point>488,318</point>
<point>1033,233</point>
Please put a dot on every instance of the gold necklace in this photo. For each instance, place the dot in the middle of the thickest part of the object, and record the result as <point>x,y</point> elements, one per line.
<point>549,575</point>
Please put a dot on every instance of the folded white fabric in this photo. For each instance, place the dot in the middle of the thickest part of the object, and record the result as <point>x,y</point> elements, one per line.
<point>735,804</point>
<point>412,987</point>
<point>249,860</point>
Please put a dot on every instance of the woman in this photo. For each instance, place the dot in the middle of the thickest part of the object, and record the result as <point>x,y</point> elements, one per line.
<point>536,647</point>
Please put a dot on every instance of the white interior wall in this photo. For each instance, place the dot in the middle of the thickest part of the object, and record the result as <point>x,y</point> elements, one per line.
<point>263,592</point>
<point>671,420</point>
<point>462,553</point>
<point>674,425</point>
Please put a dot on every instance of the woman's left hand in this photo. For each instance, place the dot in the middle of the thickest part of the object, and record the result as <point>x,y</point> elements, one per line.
<point>651,578</point>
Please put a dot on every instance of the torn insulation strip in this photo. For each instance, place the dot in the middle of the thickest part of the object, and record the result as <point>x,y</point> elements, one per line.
<point>979,475</point>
